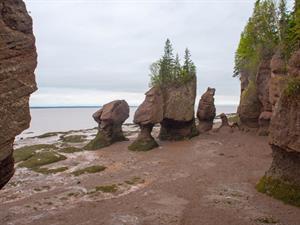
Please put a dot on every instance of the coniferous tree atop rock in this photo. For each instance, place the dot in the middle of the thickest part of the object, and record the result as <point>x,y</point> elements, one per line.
<point>169,71</point>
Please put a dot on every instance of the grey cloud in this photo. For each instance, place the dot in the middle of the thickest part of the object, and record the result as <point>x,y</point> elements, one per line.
<point>109,45</point>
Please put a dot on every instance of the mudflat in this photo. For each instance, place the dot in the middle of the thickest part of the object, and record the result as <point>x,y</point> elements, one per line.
<point>208,180</point>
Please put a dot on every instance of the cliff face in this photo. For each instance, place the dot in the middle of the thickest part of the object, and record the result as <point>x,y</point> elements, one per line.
<point>18,60</point>
<point>282,180</point>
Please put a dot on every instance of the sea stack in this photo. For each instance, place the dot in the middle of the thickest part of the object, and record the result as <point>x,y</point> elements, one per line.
<point>18,60</point>
<point>179,103</point>
<point>149,113</point>
<point>206,112</point>
<point>282,180</point>
<point>110,119</point>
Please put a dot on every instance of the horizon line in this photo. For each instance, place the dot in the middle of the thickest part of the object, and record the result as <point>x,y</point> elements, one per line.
<point>97,106</point>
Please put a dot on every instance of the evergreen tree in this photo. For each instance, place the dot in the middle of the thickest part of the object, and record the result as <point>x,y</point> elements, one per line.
<point>258,40</point>
<point>167,62</point>
<point>168,71</point>
<point>177,67</point>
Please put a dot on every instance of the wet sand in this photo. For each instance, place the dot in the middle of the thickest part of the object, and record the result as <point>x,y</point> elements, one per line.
<point>209,180</point>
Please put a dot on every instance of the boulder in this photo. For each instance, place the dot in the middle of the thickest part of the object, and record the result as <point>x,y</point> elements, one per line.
<point>110,119</point>
<point>146,116</point>
<point>18,60</point>
<point>178,120</point>
<point>206,112</point>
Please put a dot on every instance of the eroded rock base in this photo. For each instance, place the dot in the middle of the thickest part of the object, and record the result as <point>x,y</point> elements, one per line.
<point>144,141</point>
<point>106,137</point>
<point>282,180</point>
<point>176,130</point>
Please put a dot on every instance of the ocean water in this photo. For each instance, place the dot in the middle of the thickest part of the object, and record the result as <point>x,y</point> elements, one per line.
<point>45,120</point>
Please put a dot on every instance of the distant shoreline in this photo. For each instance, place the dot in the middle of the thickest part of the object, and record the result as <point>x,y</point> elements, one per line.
<point>82,107</point>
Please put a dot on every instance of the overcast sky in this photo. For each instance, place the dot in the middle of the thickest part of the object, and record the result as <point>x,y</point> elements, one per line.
<point>94,51</point>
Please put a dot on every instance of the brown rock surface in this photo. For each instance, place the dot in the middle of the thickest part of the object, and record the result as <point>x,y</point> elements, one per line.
<point>148,113</point>
<point>151,110</point>
<point>285,140</point>
<point>277,80</point>
<point>250,106</point>
<point>206,112</point>
<point>110,119</point>
<point>18,60</point>
<point>179,111</point>
<point>264,123</point>
<point>262,84</point>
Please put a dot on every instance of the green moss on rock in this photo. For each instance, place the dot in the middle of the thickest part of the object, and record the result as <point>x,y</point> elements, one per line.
<point>135,181</point>
<point>90,169</point>
<point>73,138</point>
<point>292,88</point>
<point>50,134</point>
<point>284,191</point>
<point>143,145</point>
<point>41,159</point>
<point>50,171</point>
<point>107,188</point>
<point>100,141</point>
<point>70,150</point>
<point>26,152</point>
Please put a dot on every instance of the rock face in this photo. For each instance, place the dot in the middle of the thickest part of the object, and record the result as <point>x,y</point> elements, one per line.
<point>18,60</point>
<point>206,112</point>
<point>264,123</point>
<point>277,80</point>
<point>110,119</point>
<point>147,115</point>
<point>250,106</point>
<point>178,120</point>
<point>285,140</point>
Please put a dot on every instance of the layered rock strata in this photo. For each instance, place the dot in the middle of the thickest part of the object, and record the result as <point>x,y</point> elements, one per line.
<point>18,60</point>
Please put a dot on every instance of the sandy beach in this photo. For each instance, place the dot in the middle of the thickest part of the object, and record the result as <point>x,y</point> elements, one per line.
<point>208,180</point>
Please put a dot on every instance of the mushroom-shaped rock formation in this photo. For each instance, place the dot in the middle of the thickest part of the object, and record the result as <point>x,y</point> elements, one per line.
<point>18,60</point>
<point>110,119</point>
<point>206,112</point>
<point>147,115</point>
<point>282,180</point>
<point>179,102</point>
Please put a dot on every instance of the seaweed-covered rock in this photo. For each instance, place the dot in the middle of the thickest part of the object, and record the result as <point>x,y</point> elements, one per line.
<point>206,112</point>
<point>110,119</point>
<point>18,60</point>
<point>250,106</point>
<point>179,102</point>
<point>148,113</point>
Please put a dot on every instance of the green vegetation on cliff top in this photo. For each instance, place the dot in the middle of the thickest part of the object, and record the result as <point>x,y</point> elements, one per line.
<point>270,28</point>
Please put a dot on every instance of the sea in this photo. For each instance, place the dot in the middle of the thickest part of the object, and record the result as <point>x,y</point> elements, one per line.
<point>54,119</point>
